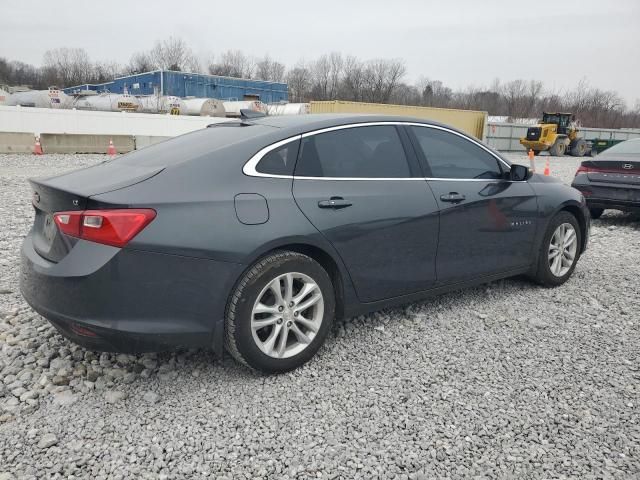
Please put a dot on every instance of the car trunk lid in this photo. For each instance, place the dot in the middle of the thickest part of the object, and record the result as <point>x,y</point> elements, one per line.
<point>614,171</point>
<point>72,192</point>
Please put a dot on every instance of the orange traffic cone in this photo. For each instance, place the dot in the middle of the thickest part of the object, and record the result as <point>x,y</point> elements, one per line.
<point>546,168</point>
<point>532,161</point>
<point>111,150</point>
<point>37,149</point>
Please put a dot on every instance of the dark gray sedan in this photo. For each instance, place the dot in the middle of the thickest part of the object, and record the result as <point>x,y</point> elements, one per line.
<point>612,179</point>
<point>256,234</point>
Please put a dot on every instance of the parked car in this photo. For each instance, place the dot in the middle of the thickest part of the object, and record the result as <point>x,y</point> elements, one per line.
<point>257,234</point>
<point>612,179</point>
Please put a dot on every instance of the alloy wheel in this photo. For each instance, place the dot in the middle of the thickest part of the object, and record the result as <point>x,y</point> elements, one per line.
<point>562,249</point>
<point>287,315</point>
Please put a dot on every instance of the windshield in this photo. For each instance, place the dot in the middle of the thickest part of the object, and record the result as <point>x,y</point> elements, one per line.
<point>629,147</point>
<point>547,118</point>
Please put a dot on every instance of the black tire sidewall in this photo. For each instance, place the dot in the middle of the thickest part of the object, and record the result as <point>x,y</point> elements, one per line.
<point>596,212</point>
<point>544,275</point>
<point>243,336</point>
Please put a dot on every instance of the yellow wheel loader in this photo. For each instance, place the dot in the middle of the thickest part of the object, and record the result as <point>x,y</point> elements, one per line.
<point>558,134</point>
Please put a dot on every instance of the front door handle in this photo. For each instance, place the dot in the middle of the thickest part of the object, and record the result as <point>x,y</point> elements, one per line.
<point>334,202</point>
<point>453,197</point>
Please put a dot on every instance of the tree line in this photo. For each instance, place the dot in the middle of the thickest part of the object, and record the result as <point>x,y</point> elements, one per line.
<point>334,76</point>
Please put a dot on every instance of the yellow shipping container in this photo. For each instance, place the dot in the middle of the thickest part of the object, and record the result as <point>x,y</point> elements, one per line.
<point>470,121</point>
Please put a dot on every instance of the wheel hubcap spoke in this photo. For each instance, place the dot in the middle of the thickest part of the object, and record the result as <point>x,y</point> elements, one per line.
<point>309,302</point>
<point>300,334</point>
<point>282,344</point>
<point>306,290</point>
<point>277,291</point>
<point>271,341</point>
<point>287,315</point>
<point>308,324</point>
<point>262,308</point>
<point>257,324</point>
<point>288,287</point>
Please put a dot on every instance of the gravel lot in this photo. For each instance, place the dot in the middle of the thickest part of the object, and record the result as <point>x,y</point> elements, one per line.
<point>507,380</point>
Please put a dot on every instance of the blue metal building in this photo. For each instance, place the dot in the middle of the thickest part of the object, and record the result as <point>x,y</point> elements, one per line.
<point>182,84</point>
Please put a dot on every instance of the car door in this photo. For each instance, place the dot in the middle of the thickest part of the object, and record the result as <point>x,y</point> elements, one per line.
<point>487,222</point>
<point>362,188</point>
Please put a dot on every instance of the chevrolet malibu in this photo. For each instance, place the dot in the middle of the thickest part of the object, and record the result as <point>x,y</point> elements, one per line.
<point>254,235</point>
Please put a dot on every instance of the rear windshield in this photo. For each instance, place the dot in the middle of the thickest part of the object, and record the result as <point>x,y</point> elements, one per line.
<point>193,145</point>
<point>630,147</point>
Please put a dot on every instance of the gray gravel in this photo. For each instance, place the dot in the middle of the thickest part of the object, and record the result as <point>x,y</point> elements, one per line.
<point>507,380</point>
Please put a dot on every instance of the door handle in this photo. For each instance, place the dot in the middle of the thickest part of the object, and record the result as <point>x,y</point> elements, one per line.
<point>453,197</point>
<point>335,203</point>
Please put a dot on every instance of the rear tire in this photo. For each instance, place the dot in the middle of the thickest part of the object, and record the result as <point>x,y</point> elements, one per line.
<point>579,148</point>
<point>558,148</point>
<point>554,263</point>
<point>596,212</point>
<point>536,152</point>
<point>263,328</point>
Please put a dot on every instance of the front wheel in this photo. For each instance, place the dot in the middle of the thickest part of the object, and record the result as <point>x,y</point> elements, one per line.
<point>558,148</point>
<point>280,312</point>
<point>560,250</point>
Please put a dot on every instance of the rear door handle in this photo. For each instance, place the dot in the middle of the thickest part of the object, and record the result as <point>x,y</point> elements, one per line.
<point>334,202</point>
<point>453,197</point>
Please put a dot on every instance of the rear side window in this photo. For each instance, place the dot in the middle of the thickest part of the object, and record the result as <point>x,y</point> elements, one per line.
<point>280,161</point>
<point>358,152</point>
<point>452,156</point>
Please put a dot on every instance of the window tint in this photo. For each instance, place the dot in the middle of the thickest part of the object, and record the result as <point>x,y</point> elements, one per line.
<point>452,156</point>
<point>280,161</point>
<point>366,152</point>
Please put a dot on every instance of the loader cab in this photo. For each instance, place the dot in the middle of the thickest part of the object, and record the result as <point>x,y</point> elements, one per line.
<point>562,120</point>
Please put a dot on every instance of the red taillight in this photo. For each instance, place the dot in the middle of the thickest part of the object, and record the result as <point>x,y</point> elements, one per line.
<point>582,169</point>
<point>110,227</point>
<point>69,222</point>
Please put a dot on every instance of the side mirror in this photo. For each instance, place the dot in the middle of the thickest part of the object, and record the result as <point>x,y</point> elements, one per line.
<point>519,173</point>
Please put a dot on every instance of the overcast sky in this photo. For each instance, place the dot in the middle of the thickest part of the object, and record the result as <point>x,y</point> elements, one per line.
<point>461,42</point>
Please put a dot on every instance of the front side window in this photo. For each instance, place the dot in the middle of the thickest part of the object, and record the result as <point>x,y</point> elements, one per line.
<point>279,161</point>
<point>452,156</point>
<point>358,152</point>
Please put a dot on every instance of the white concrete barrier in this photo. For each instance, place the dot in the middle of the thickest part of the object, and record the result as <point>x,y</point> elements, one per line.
<point>14,142</point>
<point>46,120</point>
<point>65,143</point>
<point>146,141</point>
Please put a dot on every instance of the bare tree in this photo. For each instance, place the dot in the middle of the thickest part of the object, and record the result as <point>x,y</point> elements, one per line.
<point>233,63</point>
<point>71,66</point>
<point>268,69</point>
<point>353,79</point>
<point>105,71</point>
<point>299,81</point>
<point>174,54</point>
<point>404,94</point>
<point>434,93</point>
<point>381,78</point>
<point>141,62</point>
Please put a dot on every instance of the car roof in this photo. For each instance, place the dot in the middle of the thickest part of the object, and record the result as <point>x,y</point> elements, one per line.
<point>296,124</point>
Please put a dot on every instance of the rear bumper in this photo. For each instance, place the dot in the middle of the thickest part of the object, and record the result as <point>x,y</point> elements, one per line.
<point>614,204</point>
<point>598,195</point>
<point>129,300</point>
